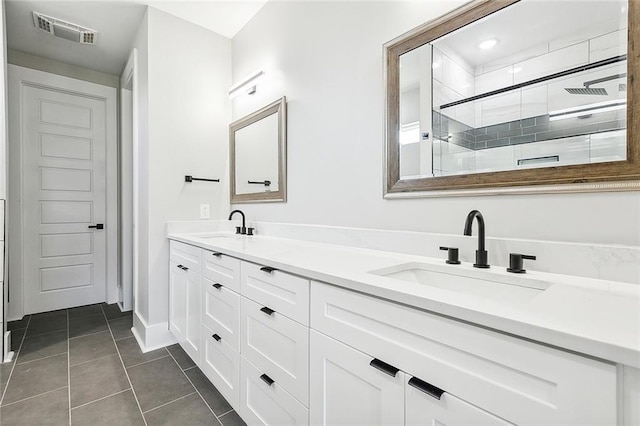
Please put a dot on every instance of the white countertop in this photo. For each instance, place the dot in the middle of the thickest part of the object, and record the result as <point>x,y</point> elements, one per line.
<point>594,317</point>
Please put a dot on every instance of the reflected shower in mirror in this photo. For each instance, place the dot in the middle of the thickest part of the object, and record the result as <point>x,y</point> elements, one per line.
<point>488,98</point>
<point>258,153</point>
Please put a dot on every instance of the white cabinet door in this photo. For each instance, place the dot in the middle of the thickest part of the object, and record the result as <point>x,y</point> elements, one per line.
<point>221,312</point>
<point>278,346</point>
<point>347,390</point>
<point>193,297</point>
<point>221,364</point>
<point>178,301</point>
<point>264,402</point>
<point>426,405</point>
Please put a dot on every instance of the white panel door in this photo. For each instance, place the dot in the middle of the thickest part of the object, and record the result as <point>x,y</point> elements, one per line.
<point>63,138</point>
<point>178,301</point>
<point>346,389</point>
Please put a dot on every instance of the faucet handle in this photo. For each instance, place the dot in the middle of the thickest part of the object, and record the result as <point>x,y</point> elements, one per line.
<point>250,231</point>
<point>238,230</point>
<point>516,262</point>
<point>452,255</point>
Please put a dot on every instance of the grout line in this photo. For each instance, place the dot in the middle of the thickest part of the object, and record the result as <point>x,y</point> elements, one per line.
<point>170,402</point>
<point>224,414</point>
<point>194,386</point>
<point>100,399</point>
<point>146,362</point>
<point>40,359</point>
<point>34,396</point>
<point>91,360</point>
<point>190,368</point>
<point>15,361</point>
<point>89,334</point>
<point>44,332</point>
<point>69,365</point>
<point>125,370</point>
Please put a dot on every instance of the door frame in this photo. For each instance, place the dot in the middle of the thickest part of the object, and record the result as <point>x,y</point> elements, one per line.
<point>129,213</point>
<point>17,78</point>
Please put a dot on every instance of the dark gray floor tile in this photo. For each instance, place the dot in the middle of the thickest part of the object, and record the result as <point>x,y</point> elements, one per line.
<point>190,410</point>
<point>81,326</point>
<point>181,357</point>
<point>96,379</point>
<point>36,377</point>
<point>113,311</point>
<point>47,322</point>
<point>232,419</point>
<point>17,325</point>
<point>5,371</point>
<point>132,355</point>
<point>211,395</point>
<point>16,338</point>
<point>119,409</point>
<point>121,327</point>
<point>85,311</point>
<point>49,409</point>
<point>43,345</point>
<point>88,348</point>
<point>158,382</point>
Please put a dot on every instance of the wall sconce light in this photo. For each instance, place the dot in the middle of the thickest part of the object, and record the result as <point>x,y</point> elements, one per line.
<point>247,85</point>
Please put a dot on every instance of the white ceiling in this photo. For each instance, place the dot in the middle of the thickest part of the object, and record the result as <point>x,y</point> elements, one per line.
<point>116,23</point>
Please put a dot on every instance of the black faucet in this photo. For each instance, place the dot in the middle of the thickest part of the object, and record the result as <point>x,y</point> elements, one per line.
<point>239,230</point>
<point>481,253</point>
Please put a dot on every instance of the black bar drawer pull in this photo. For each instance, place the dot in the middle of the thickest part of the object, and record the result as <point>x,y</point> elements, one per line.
<point>217,286</point>
<point>384,367</point>
<point>216,254</point>
<point>425,387</point>
<point>268,269</point>
<point>268,380</point>
<point>267,311</point>
<point>184,268</point>
<point>216,337</point>
<point>98,226</point>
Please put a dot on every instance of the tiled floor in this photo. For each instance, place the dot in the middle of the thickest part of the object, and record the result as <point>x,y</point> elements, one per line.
<point>82,366</point>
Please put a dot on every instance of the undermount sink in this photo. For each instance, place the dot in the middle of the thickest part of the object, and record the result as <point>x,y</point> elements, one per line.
<point>477,283</point>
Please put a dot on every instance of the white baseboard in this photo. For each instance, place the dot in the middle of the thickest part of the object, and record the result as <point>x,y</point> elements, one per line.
<point>8,355</point>
<point>151,337</point>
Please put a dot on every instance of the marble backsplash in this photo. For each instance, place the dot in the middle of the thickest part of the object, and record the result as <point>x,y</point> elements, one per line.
<point>608,262</point>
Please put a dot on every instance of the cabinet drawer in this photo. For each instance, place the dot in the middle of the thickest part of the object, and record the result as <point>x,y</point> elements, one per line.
<point>423,409</point>
<point>517,380</point>
<point>285,293</point>
<point>278,346</point>
<point>185,255</point>
<point>221,269</point>
<point>221,312</point>
<point>264,404</point>
<point>221,364</point>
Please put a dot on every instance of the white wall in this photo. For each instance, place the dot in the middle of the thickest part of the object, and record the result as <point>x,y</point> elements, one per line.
<point>326,57</point>
<point>185,74</point>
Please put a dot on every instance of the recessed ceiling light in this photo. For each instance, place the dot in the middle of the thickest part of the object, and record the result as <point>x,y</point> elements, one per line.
<point>488,44</point>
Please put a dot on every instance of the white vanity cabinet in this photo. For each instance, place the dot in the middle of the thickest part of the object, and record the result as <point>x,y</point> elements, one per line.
<point>347,390</point>
<point>274,346</point>
<point>184,300</point>
<point>513,379</point>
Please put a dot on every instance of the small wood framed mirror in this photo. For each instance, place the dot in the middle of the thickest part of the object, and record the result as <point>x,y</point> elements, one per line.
<point>504,96</point>
<point>258,155</point>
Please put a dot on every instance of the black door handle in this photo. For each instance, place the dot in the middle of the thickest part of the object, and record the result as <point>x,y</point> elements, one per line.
<point>98,226</point>
<point>267,311</point>
<point>425,387</point>
<point>268,380</point>
<point>384,367</point>
<point>216,337</point>
<point>268,269</point>
<point>217,254</point>
<point>217,286</point>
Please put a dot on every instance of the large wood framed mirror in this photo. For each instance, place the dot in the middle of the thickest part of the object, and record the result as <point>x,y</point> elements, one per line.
<point>504,96</point>
<point>258,155</point>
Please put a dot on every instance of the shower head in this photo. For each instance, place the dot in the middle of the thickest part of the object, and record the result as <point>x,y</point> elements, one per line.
<point>586,90</point>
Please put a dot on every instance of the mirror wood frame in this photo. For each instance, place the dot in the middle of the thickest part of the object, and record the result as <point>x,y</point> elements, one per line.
<point>278,107</point>
<point>607,176</point>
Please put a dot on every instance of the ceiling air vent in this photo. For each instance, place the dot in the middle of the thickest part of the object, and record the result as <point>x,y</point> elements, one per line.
<point>65,30</point>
